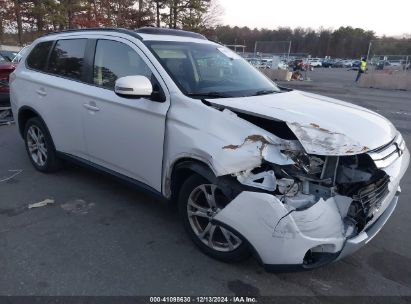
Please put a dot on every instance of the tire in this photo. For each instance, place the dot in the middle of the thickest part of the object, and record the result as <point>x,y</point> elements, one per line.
<point>194,189</point>
<point>40,146</point>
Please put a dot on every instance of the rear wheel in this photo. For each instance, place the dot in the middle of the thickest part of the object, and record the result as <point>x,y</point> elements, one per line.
<point>39,146</point>
<point>199,202</point>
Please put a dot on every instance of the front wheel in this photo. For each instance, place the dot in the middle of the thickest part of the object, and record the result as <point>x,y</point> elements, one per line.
<point>199,202</point>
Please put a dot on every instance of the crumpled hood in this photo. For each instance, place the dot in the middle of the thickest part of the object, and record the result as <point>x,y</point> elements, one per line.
<point>323,125</point>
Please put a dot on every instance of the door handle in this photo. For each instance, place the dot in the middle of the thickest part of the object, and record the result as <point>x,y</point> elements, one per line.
<point>41,92</point>
<point>91,107</point>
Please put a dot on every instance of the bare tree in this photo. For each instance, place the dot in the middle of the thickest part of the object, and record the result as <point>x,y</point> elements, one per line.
<point>18,13</point>
<point>212,17</point>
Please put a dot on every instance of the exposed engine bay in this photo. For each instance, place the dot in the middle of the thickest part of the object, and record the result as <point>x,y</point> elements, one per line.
<point>310,178</point>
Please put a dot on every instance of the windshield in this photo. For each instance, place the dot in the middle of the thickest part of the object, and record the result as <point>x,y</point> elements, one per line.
<point>209,70</point>
<point>2,59</point>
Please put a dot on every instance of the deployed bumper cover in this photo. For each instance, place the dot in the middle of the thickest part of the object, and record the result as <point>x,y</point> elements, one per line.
<point>282,236</point>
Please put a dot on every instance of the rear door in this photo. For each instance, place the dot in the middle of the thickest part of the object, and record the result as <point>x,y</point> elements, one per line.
<point>125,135</point>
<point>65,96</point>
<point>53,82</point>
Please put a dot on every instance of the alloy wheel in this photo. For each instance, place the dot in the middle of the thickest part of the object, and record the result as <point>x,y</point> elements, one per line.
<point>204,203</point>
<point>36,143</point>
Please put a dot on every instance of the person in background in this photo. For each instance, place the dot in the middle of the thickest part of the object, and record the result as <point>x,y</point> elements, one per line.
<point>362,68</point>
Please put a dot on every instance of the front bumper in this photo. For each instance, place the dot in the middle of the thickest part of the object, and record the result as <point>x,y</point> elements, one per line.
<point>355,243</point>
<point>286,239</point>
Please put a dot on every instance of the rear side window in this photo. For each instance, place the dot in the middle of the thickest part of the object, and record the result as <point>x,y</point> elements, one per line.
<point>38,57</point>
<point>114,60</point>
<point>67,58</point>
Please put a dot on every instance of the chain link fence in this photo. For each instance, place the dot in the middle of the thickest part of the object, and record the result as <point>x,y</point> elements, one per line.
<point>389,56</point>
<point>272,48</point>
<point>388,64</point>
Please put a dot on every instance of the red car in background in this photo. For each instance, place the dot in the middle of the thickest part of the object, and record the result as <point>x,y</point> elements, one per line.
<point>6,68</point>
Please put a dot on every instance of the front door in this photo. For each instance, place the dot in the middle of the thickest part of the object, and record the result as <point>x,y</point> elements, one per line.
<point>125,135</point>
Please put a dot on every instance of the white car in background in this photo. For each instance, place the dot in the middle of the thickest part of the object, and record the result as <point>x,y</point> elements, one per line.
<point>396,63</point>
<point>348,63</point>
<point>282,65</point>
<point>298,179</point>
<point>315,62</point>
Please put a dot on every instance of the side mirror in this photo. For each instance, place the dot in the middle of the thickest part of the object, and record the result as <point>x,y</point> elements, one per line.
<point>137,86</point>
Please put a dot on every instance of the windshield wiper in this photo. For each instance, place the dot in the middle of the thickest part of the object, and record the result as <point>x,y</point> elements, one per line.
<point>264,92</point>
<point>209,94</point>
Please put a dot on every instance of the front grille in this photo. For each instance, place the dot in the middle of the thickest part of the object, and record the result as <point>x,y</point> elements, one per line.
<point>386,155</point>
<point>367,201</point>
<point>370,197</point>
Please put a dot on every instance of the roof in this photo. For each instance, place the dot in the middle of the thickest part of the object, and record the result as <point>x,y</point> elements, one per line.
<point>139,33</point>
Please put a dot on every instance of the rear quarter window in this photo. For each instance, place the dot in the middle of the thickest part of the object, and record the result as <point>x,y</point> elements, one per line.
<point>37,58</point>
<point>67,58</point>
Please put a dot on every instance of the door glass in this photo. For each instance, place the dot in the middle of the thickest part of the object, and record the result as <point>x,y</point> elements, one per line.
<point>114,60</point>
<point>38,56</point>
<point>67,58</point>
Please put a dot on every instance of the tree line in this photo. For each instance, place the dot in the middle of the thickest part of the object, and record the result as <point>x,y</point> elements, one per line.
<point>344,42</point>
<point>35,17</point>
<point>22,21</point>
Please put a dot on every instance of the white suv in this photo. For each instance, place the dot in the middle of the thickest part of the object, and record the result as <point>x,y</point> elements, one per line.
<point>298,179</point>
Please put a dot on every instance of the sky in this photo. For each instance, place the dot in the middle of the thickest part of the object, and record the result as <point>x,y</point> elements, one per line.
<point>383,17</point>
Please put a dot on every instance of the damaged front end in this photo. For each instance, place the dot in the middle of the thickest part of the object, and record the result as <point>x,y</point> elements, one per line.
<point>307,210</point>
<point>303,189</point>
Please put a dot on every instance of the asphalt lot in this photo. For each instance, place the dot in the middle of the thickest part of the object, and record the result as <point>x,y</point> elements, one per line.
<point>104,238</point>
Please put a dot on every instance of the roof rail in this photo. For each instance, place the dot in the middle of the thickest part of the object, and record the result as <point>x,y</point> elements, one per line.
<point>135,34</point>
<point>105,29</point>
<point>167,31</point>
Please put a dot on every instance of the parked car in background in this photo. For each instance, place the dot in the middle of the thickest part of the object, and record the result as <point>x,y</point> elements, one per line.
<point>380,65</point>
<point>327,63</point>
<point>6,68</point>
<point>356,63</point>
<point>298,179</point>
<point>282,65</point>
<point>348,63</point>
<point>395,63</point>
<point>3,59</point>
<point>338,64</point>
<point>9,55</point>
<point>315,62</point>
<point>255,62</point>
<point>265,63</point>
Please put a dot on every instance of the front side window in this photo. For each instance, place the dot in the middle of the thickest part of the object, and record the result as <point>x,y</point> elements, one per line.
<point>203,69</point>
<point>67,58</point>
<point>113,60</point>
<point>38,57</point>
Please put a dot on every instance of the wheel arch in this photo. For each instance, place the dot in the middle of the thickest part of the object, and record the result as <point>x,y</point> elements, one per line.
<point>24,114</point>
<point>181,170</point>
